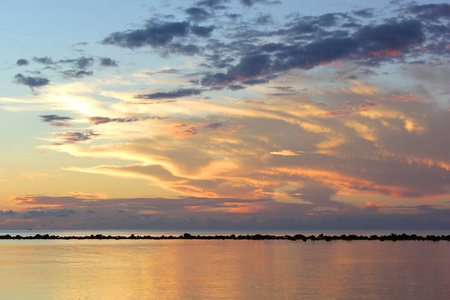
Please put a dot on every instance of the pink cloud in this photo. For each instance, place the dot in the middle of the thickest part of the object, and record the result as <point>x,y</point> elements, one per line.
<point>411,97</point>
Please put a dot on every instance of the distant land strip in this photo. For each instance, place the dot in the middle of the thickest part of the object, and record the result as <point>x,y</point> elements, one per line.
<point>187,236</point>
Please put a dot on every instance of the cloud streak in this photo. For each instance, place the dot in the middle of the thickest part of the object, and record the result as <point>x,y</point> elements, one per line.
<point>170,95</point>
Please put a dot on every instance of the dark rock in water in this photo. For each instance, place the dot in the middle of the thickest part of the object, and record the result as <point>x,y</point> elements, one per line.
<point>255,237</point>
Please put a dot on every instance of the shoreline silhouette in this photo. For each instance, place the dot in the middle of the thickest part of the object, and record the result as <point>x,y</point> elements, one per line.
<point>187,236</point>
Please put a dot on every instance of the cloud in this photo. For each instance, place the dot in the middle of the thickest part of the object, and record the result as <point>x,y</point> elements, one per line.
<point>44,60</point>
<point>250,3</point>
<point>170,95</point>
<point>304,43</point>
<point>73,137</point>
<point>8,213</point>
<point>56,120</point>
<point>31,82</point>
<point>213,126</point>
<point>264,20</point>
<point>107,62</point>
<point>318,143</point>
<point>390,36</point>
<point>104,120</point>
<point>153,34</point>
<point>165,71</point>
<point>22,62</point>
<point>165,37</point>
<point>431,12</point>
<point>284,153</point>
<point>79,194</point>
<point>202,31</point>
<point>45,212</point>
<point>364,13</point>
<point>222,162</point>
<point>34,175</point>
<point>213,4</point>
<point>368,44</point>
<point>197,14</point>
<point>80,63</point>
<point>185,132</point>
<point>77,74</point>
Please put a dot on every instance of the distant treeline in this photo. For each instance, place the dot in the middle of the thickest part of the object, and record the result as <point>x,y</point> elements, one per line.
<point>187,236</point>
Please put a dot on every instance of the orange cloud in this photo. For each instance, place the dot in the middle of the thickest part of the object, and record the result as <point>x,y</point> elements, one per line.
<point>31,201</point>
<point>388,52</point>
<point>345,184</point>
<point>79,194</point>
<point>242,208</point>
<point>412,97</point>
<point>12,221</point>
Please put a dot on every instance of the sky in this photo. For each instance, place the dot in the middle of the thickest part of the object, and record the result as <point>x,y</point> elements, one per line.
<point>233,114</point>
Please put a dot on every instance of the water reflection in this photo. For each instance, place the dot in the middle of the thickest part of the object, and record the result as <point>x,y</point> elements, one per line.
<point>186,269</point>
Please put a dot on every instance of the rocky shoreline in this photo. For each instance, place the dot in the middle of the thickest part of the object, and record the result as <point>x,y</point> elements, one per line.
<point>187,236</point>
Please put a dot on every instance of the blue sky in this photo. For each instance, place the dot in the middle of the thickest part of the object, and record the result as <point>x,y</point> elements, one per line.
<point>233,113</point>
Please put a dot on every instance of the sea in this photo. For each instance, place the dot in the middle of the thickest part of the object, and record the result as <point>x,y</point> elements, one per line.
<point>223,269</point>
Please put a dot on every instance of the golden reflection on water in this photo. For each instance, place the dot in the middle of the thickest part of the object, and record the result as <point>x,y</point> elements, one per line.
<point>196,269</point>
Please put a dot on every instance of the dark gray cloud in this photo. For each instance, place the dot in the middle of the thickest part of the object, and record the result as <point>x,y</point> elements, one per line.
<point>8,213</point>
<point>104,120</point>
<point>431,12</point>
<point>233,16</point>
<point>56,121</point>
<point>32,82</point>
<point>202,31</point>
<point>77,74</point>
<point>264,20</point>
<point>168,71</point>
<point>22,62</point>
<point>59,213</point>
<point>256,81</point>
<point>107,62</point>
<point>251,66</point>
<point>80,63</point>
<point>250,3</point>
<point>213,4</point>
<point>165,37</point>
<point>154,35</point>
<point>369,45</point>
<point>170,95</point>
<point>364,13</point>
<point>247,71</point>
<point>73,137</point>
<point>177,48</point>
<point>219,61</point>
<point>305,42</point>
<point>197,14</point>
<point>53,118</point>
<point>44,60</point>
<point>390,36</point>
<point>213,126</point>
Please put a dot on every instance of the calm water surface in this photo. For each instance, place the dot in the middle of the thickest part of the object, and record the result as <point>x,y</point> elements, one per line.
<point>230,269</point>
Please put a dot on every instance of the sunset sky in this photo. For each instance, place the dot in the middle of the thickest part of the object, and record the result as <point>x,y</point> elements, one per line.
<point>224,114</point>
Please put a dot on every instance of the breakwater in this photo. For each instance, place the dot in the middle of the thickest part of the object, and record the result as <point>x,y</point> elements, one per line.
<point>256,237</point>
